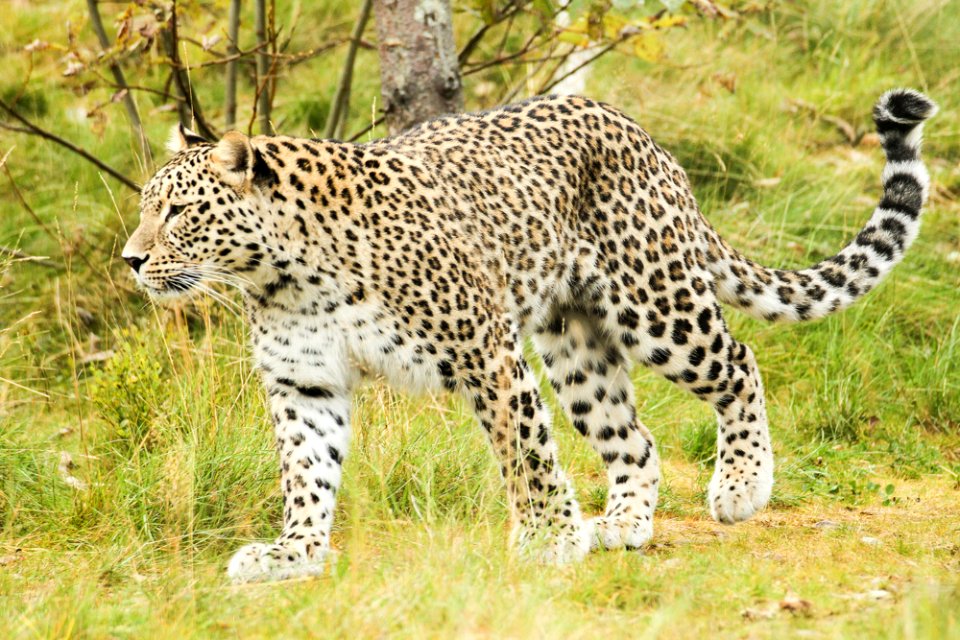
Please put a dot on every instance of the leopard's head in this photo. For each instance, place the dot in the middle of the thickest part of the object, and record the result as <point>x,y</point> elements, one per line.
<point>198,216</point>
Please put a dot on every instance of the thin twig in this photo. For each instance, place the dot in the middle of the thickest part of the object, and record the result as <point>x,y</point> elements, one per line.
<point>16,254</point>
<point>527,47</point>
<point>10,127</point>
<point>368,128</point>
<point>509,12</point>
<point>166,95</point>
<point>583,64</point>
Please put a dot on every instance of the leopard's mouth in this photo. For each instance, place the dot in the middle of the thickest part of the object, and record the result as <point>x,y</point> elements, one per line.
<point>174,287</point>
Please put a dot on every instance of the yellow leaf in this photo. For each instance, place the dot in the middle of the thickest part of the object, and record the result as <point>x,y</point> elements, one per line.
<point>613,24</point>
<point>667,21</point>
<point>648,47</point>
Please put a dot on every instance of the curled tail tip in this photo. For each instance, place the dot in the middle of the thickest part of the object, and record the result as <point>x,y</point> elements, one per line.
<point>904,106</point>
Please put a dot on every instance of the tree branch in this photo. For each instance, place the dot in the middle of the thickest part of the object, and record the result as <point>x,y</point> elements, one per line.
<point>370,127</point>
<point>509,12</point>
<point>190,112</point>
<point>33,129</point>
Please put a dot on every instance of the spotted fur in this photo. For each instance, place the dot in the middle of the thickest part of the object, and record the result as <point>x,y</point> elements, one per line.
<point>427,258</point>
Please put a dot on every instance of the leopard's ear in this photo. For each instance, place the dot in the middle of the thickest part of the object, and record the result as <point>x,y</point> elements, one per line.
<point>182,138</point>
<point>233,156</point>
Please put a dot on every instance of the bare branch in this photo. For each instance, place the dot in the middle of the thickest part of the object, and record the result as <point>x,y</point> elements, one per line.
<point>603,51</point>
<point>508,14</point>
<point>33,129</point>
<point>368,128</point>
<point>191,115</point>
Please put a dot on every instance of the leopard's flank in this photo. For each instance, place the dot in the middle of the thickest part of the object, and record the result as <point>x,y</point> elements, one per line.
<point>429,257</point>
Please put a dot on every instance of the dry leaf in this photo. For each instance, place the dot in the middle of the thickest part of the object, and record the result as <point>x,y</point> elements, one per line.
<point>726,80</point>
<point>98,356</point>
<point>767,182</point>
<point>766,612</point>
<point>796,605</point>
<point>37,45</point>
<point>65,467</point>
<point>870,140</point>
<point>209,42</point>
<point>73,68</point>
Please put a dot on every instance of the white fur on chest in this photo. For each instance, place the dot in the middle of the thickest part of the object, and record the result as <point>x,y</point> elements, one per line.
<point>335,349</point>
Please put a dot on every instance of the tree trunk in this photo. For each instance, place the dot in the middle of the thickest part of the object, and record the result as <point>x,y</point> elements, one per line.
<point>132,114</point>
<point>230,99</point>
<point>263,70</point>
<point>419,70</point>
<point>341,100</point>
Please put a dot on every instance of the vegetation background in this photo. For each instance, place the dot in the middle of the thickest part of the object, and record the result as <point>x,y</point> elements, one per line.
<point>135,453</point>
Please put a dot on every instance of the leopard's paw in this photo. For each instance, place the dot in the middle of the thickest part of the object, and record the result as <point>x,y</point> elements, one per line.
<point>556,546</point>
<point>619,532</point>
<point>735,496</point>
<point>260,562</point>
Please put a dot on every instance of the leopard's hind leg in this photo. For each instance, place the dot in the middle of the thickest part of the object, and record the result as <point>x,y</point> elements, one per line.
<point>591,376</point>
<point>682,336</point>
<point>506,398</point>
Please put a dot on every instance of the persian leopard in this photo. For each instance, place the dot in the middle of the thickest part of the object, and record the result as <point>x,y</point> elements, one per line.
<point>429,257</point>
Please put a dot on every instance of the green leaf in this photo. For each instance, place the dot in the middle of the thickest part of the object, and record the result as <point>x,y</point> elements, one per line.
<point>544,7</point>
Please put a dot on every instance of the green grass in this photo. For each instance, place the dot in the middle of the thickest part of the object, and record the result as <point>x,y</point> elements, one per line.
<point>171,438</point>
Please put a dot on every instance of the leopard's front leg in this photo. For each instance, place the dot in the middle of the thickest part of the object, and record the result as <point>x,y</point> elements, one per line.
<point>312,431</point>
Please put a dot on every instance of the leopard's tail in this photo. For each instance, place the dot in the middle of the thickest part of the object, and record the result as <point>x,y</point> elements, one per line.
<point>835,283</point>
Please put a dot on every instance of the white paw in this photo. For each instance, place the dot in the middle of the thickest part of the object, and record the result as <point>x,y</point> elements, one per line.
<point>556,547</point>
<point>261,562</point>
<point>620,532</point>
<point>737,497</point>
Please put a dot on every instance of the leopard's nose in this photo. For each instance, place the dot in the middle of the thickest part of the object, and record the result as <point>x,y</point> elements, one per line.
<point>136,262</point>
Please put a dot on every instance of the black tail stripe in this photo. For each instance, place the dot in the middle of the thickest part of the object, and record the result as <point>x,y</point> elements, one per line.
<point>904,191</point>
<point>889,204</point>
<point>897,150</point>
<point>881,248</point>
<point>886,126</point>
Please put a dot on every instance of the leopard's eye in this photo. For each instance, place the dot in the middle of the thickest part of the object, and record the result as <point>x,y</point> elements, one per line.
<point>174,210</point>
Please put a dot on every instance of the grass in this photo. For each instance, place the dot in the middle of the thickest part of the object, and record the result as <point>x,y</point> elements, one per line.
<point>164,421</point>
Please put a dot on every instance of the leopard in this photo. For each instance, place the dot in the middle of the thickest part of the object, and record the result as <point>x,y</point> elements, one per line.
<point>434,258</point>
